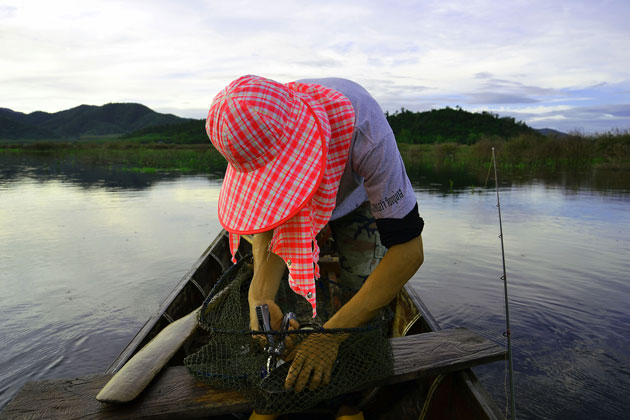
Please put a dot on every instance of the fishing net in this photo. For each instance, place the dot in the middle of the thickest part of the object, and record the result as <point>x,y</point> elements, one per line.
<point>235,357</point>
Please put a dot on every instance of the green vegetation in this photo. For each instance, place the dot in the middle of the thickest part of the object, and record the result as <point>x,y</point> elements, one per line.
<point>442,140</point>
<point>129,156</point>
<point>11,129</point>
<point>520,153</point>
<point>135,122</point>
<point>189,132</point>
<point>450,125</point>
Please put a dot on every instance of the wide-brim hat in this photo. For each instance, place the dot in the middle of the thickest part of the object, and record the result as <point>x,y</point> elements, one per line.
<point>275,141</point>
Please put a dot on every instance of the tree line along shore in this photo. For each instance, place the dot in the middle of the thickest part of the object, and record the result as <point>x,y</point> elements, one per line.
<point>432,140</point>
<point>607,151</point>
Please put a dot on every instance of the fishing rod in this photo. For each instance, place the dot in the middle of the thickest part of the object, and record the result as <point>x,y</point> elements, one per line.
<point>507,310</point>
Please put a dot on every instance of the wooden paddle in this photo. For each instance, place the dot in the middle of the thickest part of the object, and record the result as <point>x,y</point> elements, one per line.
<point>138,372</point>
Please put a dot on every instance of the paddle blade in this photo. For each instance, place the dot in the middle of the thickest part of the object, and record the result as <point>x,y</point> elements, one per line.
<point>138,372</point>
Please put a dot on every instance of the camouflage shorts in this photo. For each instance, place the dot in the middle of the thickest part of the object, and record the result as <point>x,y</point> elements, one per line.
<point>356,240</point>
<point>359,246</point>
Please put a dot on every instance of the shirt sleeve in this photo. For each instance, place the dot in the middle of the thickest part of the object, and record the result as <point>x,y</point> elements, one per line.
<point>385,180</point>
<point>398,231</point>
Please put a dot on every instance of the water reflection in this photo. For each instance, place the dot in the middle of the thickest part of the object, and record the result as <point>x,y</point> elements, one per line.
<point>85,261</point>
<point>457,181</point>
<point>446,180</point>
<point>567,260</point>
<point>87,254</point>
<point>43,169</point>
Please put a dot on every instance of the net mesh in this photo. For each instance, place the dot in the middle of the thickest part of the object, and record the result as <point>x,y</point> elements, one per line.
<point>235,357</point>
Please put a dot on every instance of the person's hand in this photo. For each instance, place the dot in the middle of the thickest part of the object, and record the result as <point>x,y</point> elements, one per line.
<point>275,314</point>
<point>275,321</point>
<point>312,361</point>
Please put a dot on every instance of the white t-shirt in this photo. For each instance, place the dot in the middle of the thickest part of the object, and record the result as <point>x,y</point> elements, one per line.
<point>374,171</point>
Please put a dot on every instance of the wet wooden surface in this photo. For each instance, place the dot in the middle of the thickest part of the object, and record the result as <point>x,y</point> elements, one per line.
<point>175,393</point>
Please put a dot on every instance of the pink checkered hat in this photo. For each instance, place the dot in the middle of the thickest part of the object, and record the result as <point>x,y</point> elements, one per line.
<point>274,139</point>
<point>286,147</point>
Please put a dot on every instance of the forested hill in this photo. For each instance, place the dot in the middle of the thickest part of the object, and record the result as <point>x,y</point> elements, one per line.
<point>13,129</point>
<point>435,126</point>
<point>83,121</point>
<point>452,125</point>
<point>135,122</point>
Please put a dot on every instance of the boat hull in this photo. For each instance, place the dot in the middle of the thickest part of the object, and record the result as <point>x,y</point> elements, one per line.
<point>459,395</point>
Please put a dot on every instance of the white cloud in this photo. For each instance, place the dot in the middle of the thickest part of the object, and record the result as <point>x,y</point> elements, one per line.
<point>547,118</point>
<point>534,110</point>
<point>174,55</point>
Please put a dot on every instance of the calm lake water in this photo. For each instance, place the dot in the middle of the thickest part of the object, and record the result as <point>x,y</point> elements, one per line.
<point>87,255</point>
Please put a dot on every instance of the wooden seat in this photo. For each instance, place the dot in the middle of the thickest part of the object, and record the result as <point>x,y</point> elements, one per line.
<point>176,393</point>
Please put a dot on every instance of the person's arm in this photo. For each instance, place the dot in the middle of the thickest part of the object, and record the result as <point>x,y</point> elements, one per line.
<point>398,265</point>
<point>313,359</point>
<point>268,271</point>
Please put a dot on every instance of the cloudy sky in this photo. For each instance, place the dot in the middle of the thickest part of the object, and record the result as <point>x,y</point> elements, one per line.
<point>562,64</point>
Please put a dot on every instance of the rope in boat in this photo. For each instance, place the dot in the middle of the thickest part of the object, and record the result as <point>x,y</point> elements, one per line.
<point>434,386</point>
<point>507,333</point>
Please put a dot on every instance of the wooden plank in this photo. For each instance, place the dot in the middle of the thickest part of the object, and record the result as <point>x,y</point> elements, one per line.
<point>176,393</point>
<point>441,351</point>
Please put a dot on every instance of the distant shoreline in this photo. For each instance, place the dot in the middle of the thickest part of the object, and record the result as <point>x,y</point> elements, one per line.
<point>520,153</point>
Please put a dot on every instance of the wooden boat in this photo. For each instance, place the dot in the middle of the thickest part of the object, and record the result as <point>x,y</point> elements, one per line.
<point>457,394</point>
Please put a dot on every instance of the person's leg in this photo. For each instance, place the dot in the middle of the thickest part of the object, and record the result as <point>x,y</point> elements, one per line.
<point>357,241</point>
<point>359,246</point>
<point>360,250</point>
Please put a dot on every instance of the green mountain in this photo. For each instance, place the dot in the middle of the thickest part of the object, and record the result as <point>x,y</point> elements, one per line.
<point>113,120</point>
<point>139,123</point>
<point>11,129</point>
<point>452,125</point>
